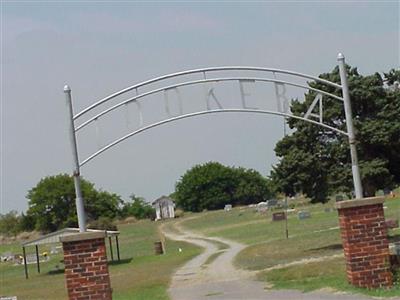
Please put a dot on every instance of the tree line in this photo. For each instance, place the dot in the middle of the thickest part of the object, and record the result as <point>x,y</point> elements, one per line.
<point>51,203</point>
<point>51,206</point>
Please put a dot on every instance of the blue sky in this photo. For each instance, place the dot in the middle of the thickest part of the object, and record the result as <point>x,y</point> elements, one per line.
<point>101,47</point>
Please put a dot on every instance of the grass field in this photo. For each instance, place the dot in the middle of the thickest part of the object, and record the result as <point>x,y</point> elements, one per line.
<point>143,275</point>
<point>140,275</point>
<point>315,238</point>
<point>331,274</point>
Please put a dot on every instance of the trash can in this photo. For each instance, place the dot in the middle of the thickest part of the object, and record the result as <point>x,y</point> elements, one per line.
<point>158,248</point>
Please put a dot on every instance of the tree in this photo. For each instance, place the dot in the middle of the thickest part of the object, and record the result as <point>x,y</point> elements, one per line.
<point>251,187</point>
<point>212,185</point>
<point>106,205</point>
<point>27,223</point>
<point>316,161</point>
<point>138,208</point>
<point>52,203</point>
<point>10,223</point>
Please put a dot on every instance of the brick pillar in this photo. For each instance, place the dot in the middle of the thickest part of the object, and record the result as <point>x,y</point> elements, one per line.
<point>365,242</point>
<point>86,269</point>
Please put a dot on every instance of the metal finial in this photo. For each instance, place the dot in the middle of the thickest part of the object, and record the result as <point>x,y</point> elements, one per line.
<point>340,56</point>
<point>67,88</point>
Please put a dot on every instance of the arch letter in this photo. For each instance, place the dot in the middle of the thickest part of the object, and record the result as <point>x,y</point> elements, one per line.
<point>243,93</point>
<point>166,98</point>
<point>282,102</point>
<point>309,112</point>
<point>209,95</point>
<point>127,114</point>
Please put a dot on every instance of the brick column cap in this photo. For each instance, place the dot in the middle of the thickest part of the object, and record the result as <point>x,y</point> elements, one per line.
<point>82,236</point>
<point>359,202</point>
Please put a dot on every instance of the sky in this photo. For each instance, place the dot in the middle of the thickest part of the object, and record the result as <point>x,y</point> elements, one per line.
<point>102,47</point>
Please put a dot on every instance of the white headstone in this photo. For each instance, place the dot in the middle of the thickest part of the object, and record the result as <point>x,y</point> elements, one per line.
<point>228,207</point>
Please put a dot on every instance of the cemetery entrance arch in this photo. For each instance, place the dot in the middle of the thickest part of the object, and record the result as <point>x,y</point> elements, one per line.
<point>168,87</point>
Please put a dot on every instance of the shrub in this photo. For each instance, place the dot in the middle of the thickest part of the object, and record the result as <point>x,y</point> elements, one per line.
<point>179,213</point>
<point>128,220</point>
<point>103,223</point>
<point>138,208</point>
<point>10,224</point>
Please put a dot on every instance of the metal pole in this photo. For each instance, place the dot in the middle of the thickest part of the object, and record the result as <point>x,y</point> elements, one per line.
<point>111,248</point>
<point>116,241</point>
<point>76,171</point>
<point>37,258</point>
<point>25,265</point>
<point>286,202</point>
<point>286,224</point>
<point>350,128</point>
<point>286,218</point>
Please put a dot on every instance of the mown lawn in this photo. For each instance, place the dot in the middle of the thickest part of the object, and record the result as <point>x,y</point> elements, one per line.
<point>320,275</point>
<point>247,226</point>
<point>316,237</point>
<point>143,275</point>
<point>140,275</point>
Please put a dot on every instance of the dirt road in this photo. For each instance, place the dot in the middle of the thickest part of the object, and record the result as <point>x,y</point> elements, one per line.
<point>212,275</point>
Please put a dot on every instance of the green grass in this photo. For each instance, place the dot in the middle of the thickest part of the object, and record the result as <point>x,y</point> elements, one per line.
<point>282,251</point>
<point>320,275</point>
<point>212,257</point>
<point>238,223</point>
<point>147,277</point>
<point>141,275</point>
<point>13,248</point>
<point>218,244</point>
<point>309,238</point>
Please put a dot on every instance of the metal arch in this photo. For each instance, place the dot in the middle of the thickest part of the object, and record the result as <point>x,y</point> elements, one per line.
<point>347,107</point>
<point>200,82</point>
<point>203,113</point>
<point>203,70</point>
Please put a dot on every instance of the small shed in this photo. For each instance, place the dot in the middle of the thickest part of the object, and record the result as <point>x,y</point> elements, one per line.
<point>165,208</point>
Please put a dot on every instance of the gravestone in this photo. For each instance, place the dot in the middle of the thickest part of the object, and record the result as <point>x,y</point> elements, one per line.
<point>339,198</point>
<point>7,256</point>
<point>304,215</point>
<point>228,207</point>
<point>397,248</point>
<point>272,202</point>
<point>391,223</point>
<point>31,259</point>
<point>262,207</point>
<point>278,216</point>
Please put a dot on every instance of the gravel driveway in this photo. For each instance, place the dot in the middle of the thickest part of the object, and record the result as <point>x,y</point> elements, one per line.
<point>220,280</point>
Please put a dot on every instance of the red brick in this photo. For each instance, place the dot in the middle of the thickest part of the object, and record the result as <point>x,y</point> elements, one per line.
<point>86,270</point>
<point>365,245</point>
